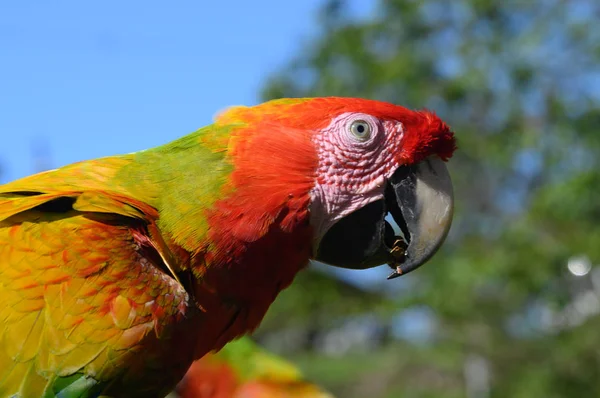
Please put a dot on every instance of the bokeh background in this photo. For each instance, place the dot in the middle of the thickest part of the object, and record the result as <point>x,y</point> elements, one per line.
<point>509,307</point>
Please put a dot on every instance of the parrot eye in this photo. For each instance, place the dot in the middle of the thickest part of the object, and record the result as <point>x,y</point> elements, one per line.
<point>361,129</point>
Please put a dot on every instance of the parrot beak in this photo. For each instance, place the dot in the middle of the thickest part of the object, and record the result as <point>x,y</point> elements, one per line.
<point>420,200</point>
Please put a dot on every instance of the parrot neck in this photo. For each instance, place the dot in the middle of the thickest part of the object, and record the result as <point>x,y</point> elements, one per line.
<point>259,231</point>
<point>237,280</point>
<point>233,204</point>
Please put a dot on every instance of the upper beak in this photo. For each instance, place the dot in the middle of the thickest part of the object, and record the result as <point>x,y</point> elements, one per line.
<point>420,200</point>
<point>425,198</point>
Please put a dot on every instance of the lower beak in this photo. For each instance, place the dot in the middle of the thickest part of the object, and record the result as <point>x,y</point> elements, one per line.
<point>420,200</point>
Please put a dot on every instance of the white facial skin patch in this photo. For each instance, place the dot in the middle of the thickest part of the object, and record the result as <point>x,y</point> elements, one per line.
<point>357,154</point>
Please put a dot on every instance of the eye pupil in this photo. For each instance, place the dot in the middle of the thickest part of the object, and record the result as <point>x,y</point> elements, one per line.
<point>360,128</point>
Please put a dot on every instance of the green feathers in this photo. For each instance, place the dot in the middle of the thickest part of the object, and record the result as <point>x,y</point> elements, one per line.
<point>181,179</point>
<point>75,386</point>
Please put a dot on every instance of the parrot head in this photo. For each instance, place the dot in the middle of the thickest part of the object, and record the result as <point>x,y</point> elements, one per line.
<point>369,162</point>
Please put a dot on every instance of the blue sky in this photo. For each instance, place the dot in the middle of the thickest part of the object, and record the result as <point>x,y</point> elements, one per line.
<point>87,79</point>
<point>81,79</point>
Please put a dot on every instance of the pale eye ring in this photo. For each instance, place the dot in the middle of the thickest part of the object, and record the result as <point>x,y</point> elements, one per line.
<point>361,129</point>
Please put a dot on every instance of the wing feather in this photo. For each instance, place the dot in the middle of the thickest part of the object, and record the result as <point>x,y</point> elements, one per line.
<point>78,295</point>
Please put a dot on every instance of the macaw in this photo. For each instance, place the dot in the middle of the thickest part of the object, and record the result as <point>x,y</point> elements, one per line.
<point>243,370</point>
<point>117,273</point>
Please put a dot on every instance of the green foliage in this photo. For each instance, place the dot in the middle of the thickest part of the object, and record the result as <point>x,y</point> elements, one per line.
<point>250,362</point>
<point>334,300</point>
<point>520,85</point>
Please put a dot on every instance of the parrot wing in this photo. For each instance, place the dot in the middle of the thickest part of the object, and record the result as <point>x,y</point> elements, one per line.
<point>78,262</point>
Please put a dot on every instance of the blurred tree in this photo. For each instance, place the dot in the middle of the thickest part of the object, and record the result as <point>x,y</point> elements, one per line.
<point>519,82</point>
